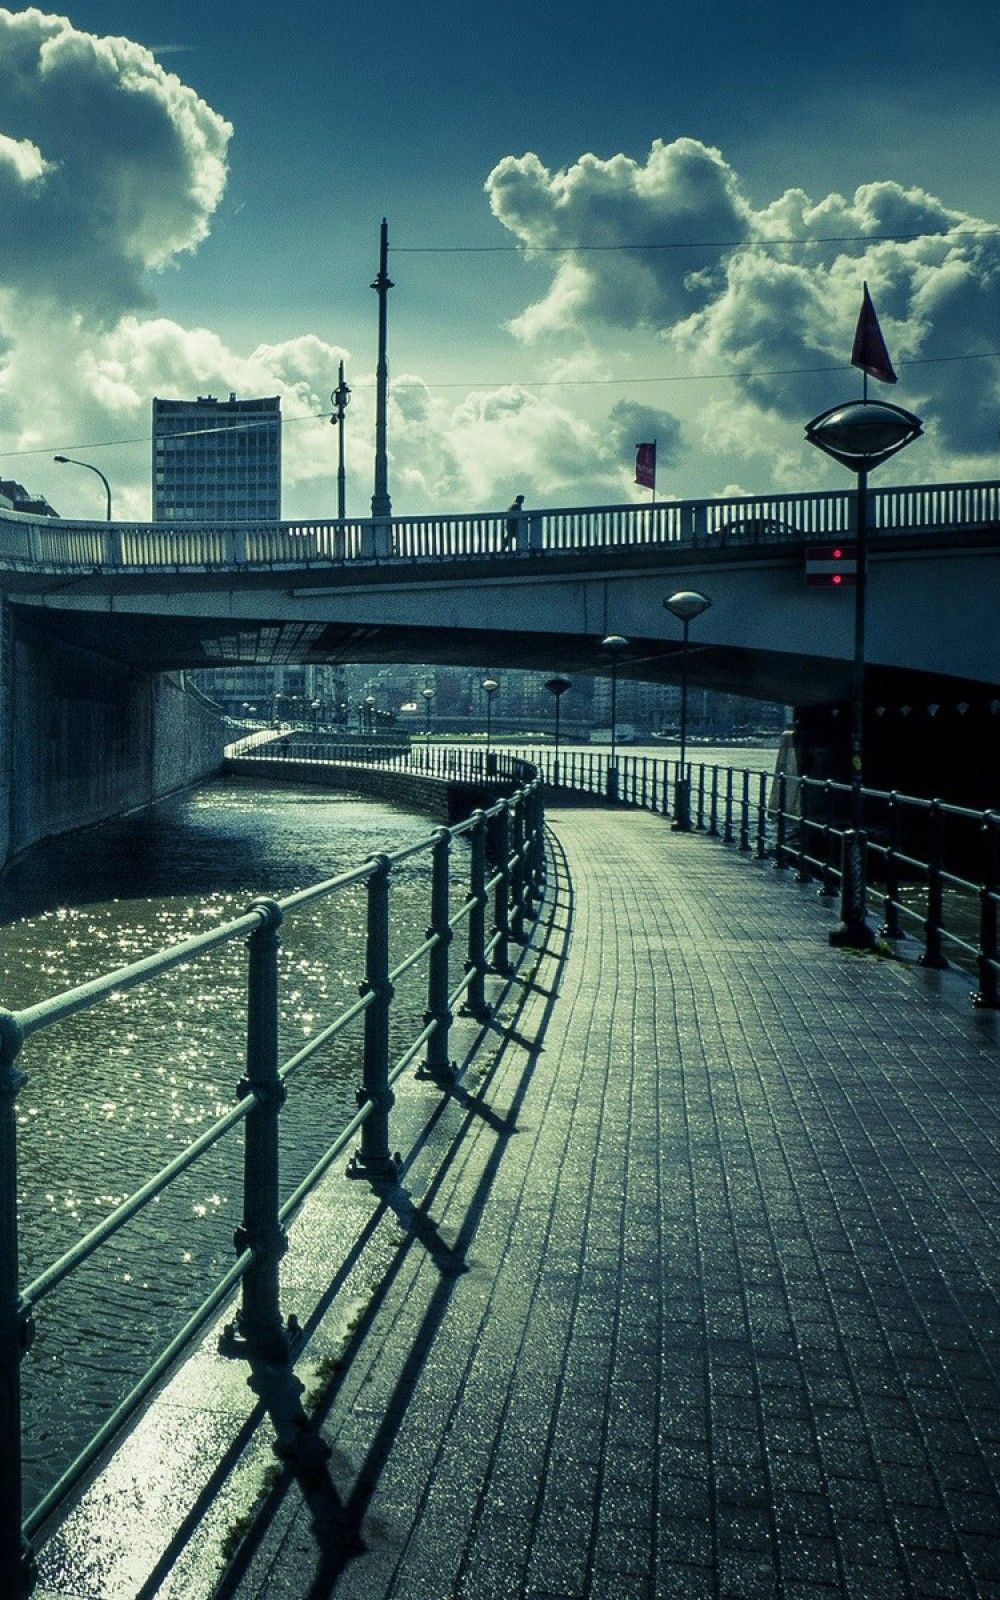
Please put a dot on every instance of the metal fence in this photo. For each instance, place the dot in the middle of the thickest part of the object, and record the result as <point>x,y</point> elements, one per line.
<point>930,869</point>
<point>506,876</point>
<point>746,520</point>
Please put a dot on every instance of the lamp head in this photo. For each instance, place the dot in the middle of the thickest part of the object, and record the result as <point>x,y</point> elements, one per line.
<point>489,685</point>
<point>557,686</point>
<point>614,644</point>
<point>687,604</point>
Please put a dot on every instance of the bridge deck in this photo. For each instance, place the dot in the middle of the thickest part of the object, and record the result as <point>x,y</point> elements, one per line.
<point>698,1304</point>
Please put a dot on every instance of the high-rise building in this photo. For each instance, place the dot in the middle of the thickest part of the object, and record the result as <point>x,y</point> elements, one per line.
<point>216,460</point>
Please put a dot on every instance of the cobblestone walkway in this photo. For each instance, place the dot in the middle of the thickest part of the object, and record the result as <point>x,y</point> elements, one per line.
<point>702,1301</point>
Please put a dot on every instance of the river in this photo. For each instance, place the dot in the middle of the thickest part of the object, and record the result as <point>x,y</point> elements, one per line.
<point>116,1092</point>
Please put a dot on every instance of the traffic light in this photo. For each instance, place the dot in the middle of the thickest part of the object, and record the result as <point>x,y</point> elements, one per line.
<point>833,565</point>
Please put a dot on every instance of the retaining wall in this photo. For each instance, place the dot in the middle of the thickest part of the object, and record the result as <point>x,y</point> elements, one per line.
<point>83,738</point>
<point>443,799</point>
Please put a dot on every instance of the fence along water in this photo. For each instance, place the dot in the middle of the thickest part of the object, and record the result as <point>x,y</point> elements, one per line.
<point>507,875</point>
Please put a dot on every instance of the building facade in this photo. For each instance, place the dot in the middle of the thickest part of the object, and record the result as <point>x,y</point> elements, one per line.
<point>217,460</point>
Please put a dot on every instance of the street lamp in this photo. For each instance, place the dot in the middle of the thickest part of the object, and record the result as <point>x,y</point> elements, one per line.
<point>686,604</point>
<point>340,397</point>
<point>427,696</point>
<point>557,688</point>
<point>860,435</point>
<point>71,461</point>
<point>370,704</point>
<point>613,645</point>
<point>489,687</point>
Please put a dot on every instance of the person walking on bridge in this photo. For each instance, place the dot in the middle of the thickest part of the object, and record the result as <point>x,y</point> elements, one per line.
<point>515,511</point>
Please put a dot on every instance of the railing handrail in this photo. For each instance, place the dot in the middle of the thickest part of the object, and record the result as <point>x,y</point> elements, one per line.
<point>258,1104</point>
<point>785,517</point>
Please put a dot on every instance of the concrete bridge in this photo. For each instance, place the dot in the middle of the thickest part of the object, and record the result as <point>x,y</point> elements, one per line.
<point>453,590</point>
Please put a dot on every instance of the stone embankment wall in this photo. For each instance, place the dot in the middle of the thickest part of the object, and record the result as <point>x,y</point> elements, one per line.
<point>85,738</point>
<point>441,800</point>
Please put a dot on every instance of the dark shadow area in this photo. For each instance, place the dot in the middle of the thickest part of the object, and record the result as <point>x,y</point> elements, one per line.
<point>344,1521</point>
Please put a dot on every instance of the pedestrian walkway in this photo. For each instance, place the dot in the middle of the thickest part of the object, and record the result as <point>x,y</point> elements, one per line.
<point>690,1291</point>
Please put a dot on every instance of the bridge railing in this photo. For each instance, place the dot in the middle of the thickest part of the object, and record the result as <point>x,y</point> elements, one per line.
<point>506,876</point>
<point>741,521</point>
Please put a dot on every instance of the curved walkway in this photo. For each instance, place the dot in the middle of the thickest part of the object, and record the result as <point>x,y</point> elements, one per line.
<point>701,1303</point>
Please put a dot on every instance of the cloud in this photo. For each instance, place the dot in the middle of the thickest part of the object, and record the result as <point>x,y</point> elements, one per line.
<point>685,193</point>
<point>765,306</point>
<point>109,166</point>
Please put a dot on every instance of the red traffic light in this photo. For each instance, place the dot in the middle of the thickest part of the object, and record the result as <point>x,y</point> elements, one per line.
<point>833,565</point>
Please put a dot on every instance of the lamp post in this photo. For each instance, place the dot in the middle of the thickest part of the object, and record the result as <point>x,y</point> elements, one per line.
<point>860,435</point>
<point>381,503</point>
<point>427,695</point>
<point>71,461</point>
<point>613,645</point>
<point>686,604</point>
<point>340,397</point>
<point>489,687</point>
<point>370,704</point>
<point>557,688</point>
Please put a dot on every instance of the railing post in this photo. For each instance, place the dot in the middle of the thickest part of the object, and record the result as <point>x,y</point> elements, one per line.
<point>761,816</point>
<point>727,837</point>
<point>891,928</point>
<point>517,871</point>
<point>17,1563</point>
<point>437,1063</point>
<point>475,999</point>
<point>828,881</point>
<point>713,809</point>
<point>932,956</point>
<point>259,1322</point>
<point>805,789</point>
<point>779,831</point>
<point>745,812</point>
<point>373,1160</point>
<point>988,993</point>
<point>700,814</point>
<point>500,854</point>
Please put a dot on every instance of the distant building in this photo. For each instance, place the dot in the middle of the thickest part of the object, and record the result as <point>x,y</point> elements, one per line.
<point>217,460</point>
<point>15,497</point>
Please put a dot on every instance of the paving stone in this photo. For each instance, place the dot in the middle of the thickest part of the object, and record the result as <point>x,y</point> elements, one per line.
<point>693,1296</point>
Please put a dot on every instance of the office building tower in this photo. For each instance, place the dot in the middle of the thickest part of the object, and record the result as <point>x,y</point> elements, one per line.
<point>217,460</point>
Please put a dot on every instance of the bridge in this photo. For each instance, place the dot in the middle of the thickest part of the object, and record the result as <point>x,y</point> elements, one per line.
<point>451,590</point>
<point>674,1287</point>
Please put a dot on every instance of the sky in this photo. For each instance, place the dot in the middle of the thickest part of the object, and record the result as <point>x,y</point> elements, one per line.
<point>606,225</point>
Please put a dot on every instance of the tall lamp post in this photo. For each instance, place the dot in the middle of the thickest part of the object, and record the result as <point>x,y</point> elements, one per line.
<point>613,645</point>
<point>686,604</point>
<point>340,397</point>
<point>71,461</point>
<point>860,435</point>
<point>381,503</point>
<point>370,704</point>
<point>489,687</point>
<point>427,695</point>
<point>557,688</point>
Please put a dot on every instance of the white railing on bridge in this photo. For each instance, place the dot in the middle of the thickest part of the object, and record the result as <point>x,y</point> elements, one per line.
<point>748,521</point>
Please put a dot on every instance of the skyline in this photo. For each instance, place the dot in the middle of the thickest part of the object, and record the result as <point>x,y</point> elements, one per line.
<point>197,212</point>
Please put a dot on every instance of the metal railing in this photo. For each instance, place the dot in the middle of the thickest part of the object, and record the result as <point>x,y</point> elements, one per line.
<point>931,868</point>
<point>506,876</point>
<point>745,521</point>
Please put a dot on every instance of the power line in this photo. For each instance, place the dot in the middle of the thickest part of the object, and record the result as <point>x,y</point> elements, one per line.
<point>510,383</point>
<point>757,243</point>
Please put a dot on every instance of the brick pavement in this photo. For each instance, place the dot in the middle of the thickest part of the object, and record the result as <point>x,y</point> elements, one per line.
<point>692,1293</point>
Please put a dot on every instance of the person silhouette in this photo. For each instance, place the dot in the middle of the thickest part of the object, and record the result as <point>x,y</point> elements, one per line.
<point>515,511</point>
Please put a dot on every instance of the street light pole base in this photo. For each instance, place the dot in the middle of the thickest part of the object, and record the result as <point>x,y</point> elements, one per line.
<point>853,936</point>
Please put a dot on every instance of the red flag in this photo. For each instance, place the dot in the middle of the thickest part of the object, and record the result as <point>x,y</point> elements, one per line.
<point>870,353</point>
<point>645,465</point>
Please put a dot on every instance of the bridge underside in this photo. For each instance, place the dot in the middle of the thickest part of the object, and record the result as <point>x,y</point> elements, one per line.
<point>158,642</point>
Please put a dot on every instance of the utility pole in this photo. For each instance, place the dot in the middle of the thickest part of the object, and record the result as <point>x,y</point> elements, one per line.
<point>381,504</point>
<point>340,397</point>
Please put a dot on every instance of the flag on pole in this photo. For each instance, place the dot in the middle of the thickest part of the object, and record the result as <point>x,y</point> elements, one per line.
<point>645,465</point>
<point>870,353</point>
